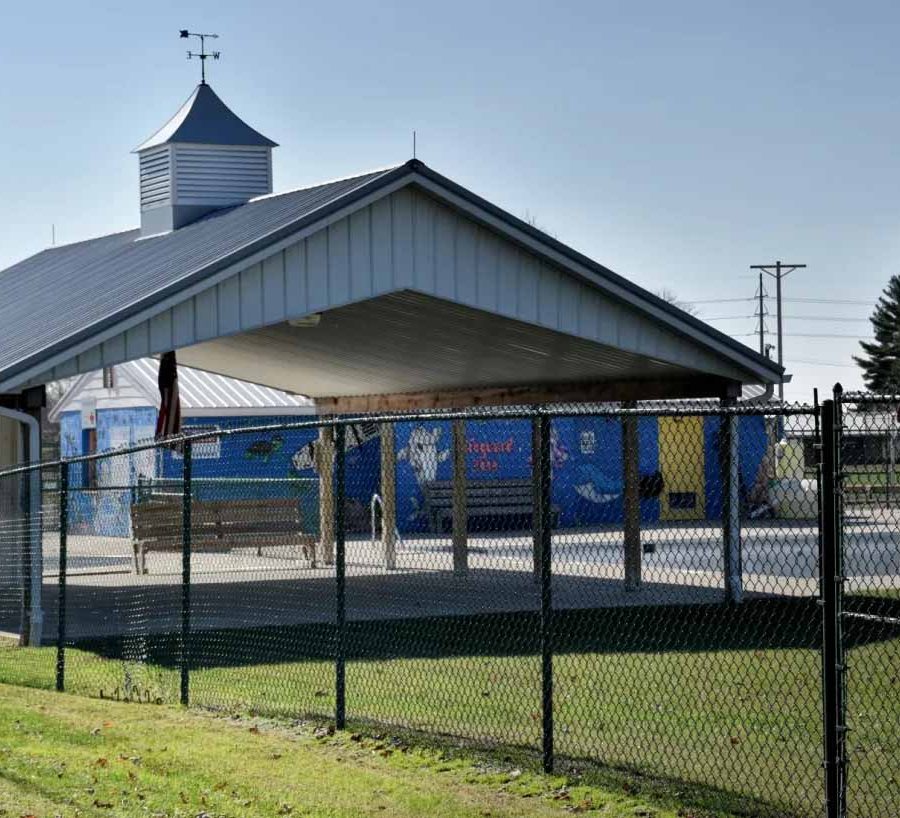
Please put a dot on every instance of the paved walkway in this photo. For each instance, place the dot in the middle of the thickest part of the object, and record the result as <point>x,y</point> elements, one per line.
<point>242,589</point>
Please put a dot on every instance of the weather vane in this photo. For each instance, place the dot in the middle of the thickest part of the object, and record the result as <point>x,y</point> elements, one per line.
<point>203,54</point>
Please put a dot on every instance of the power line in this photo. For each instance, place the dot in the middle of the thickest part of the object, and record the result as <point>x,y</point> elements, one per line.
<point>826,335</point>
<point>828,318</point>
<point>823,363</point>
<point>837,318</point>
<point>813,335</point>
<point>827,301</point>
<point>784,300</point>
<point>717,300</point>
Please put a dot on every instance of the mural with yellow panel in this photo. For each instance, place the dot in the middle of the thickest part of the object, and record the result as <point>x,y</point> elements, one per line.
<point>682,463</point>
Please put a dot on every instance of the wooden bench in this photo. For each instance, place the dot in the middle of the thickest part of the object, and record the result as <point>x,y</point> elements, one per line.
<point>218,525</point>
<point>492,500</point>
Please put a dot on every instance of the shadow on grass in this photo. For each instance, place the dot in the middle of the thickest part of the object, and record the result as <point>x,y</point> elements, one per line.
<point>757,624</point>
<point>688,799</point>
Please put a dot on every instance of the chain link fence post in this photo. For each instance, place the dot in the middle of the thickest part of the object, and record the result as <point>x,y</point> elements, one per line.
<point>832,581</point>
<point>729,465</point>
<point>631,500</point>
<point>186,529</point>
<point>61,593</point>
<point>544,518</point>
<point>340,670</point>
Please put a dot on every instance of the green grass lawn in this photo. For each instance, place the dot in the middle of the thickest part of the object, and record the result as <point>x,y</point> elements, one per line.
<point>63,755</point>
<point>720,714</point>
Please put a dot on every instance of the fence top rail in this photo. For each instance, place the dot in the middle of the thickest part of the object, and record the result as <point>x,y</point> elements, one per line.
<point>687,408</point>
<point>869,397</point>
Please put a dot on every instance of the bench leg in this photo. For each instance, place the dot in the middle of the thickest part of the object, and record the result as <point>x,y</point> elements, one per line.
<point>137,564</point>
<point>143,561</point>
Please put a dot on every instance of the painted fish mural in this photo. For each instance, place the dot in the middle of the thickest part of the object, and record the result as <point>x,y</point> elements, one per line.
<point>264,449</point>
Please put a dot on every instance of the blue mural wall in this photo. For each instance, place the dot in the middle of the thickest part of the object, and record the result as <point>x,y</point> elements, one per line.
<point>585,455</point>
<point>586,458</point>
<point>751,449</point>
<point>105,510</point>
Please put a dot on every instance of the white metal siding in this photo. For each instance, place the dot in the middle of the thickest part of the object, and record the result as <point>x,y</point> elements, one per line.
<point>220,175</point>
<point>407,240</point>
<point>156,177</point>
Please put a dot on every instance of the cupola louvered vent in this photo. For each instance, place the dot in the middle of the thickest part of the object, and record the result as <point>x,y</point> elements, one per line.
<point>203,159</point>
<point>156,185</point>
<point>221,176</point>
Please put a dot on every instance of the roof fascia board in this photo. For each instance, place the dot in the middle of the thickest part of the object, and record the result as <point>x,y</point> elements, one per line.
<point>249,411</point>
<point>213,145</point>
<point>389,182</point>
<point>590,271</point>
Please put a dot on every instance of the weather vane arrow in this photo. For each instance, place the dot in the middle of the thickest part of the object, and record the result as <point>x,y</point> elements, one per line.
<point>203,54</point>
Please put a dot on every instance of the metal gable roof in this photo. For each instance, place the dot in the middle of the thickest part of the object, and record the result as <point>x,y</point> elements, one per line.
<point>56,296</point>
<point>206,390</point>
<point>68,295</point>
<point>205,119</point>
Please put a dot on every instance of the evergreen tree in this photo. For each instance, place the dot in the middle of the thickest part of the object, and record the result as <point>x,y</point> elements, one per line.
<point>881,361</point>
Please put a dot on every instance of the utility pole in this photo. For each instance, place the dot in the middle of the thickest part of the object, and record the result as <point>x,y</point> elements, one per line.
<point>778,271</point>
<point>761,314</point>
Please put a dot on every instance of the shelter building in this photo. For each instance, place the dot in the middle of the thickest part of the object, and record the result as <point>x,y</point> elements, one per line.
<point>395,289</point>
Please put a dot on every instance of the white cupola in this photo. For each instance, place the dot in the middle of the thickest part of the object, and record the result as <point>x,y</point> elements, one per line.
<point>203,159</point>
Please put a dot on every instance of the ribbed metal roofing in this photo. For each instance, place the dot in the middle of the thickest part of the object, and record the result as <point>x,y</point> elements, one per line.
<point>205,390</point>
<point>205,119</point>
<point>56,294</point>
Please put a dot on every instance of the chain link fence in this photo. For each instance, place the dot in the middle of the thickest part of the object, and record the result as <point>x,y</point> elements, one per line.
<point>869,623</point>
<point>644,591</point>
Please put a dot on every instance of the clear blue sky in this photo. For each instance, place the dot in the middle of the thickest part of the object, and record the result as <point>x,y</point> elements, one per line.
<point>677,143</point>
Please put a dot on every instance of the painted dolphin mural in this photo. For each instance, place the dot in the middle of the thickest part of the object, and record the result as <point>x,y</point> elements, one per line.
<point>595,486</point>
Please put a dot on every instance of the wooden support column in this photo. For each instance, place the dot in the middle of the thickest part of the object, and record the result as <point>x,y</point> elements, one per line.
<point>731,512</point>
<point>460,515</point>
<point>631,501</point>
<point>389,495</point>
<point>325,467</point>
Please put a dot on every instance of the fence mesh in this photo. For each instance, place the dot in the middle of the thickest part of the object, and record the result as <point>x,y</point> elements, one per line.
<point>870,490</point>
<point>634,589</point>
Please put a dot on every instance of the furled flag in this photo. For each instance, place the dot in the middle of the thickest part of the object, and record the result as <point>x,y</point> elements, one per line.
<point>169,420</point>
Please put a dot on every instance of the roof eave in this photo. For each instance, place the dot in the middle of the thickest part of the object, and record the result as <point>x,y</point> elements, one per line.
<point>765,370</point>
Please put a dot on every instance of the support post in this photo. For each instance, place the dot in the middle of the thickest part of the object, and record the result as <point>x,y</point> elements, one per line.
<point>186,531</point>
<point>63,565</point>
<point>325,464</point>
<point>832,590</point>
<point>340,671</point>
<point>729,467</point>
<point>26,541</point>
<point>631,501</point>
<point>460,515</point>
<point>388,495</point>
<point>536,495</point>
<point>544,517</point>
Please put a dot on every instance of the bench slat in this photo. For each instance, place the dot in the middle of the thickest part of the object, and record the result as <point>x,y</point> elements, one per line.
<point>218,525</point>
